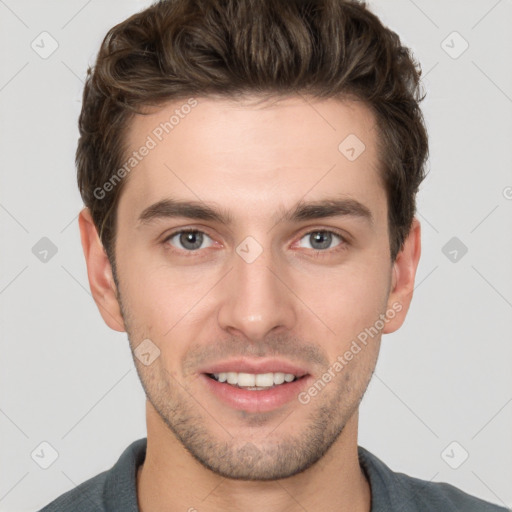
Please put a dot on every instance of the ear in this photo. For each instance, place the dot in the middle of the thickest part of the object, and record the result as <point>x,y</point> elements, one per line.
<point>99,271</point>
<point>402,282</point>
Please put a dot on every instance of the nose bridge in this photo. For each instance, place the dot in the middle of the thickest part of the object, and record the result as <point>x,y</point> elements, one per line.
<point>255,301</point>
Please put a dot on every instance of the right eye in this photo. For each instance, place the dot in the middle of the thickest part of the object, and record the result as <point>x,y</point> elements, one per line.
<point>190,239</point>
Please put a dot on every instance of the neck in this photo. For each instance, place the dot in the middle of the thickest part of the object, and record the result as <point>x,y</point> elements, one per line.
<point>172,480</point>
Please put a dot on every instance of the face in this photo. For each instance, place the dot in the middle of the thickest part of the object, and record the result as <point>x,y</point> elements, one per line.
<point>254,276</point>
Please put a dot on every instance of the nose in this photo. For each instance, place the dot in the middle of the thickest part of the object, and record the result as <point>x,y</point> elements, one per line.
<point>256,298</point>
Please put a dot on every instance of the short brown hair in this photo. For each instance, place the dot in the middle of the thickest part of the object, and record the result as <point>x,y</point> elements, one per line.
<point>180,48</point>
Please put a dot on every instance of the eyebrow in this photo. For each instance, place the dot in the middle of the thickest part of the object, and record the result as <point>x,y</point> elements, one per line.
<point>302,211</point>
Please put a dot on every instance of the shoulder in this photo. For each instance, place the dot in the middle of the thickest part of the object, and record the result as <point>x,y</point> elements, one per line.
<point>86,496</point>
<point>398,491</point>
<point>441,496</point>
<point>114,489</point>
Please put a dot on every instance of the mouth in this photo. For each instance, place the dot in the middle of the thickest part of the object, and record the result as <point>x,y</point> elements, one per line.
<point>254,381</point>
<point>261,386</point>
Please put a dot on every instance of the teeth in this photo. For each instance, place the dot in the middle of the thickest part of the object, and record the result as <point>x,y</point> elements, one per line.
<point>246,380</point>
<point>279,378</point>
<point>262,379</point>
<point>251,380</point>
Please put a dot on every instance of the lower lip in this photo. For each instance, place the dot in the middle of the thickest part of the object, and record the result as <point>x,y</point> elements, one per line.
<point>255,401</point>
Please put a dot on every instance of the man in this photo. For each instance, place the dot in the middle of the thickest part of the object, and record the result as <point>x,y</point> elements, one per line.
<point>249,171</point>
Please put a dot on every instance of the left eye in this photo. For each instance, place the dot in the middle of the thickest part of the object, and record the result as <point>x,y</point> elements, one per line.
<point>191,240</point>
<point>320,240</point>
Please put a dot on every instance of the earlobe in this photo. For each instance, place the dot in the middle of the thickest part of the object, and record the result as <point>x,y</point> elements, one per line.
<point>402,282</point>
<point>99,272</point>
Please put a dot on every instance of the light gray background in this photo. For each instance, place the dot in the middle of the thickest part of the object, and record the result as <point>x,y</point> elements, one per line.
<point>446,376</point>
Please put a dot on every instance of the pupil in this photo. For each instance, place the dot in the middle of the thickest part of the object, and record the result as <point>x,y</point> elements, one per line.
<point>318,236</point>
<point>194,238</point>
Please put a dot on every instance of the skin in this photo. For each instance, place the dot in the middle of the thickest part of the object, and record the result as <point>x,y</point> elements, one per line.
<point>255,160</point>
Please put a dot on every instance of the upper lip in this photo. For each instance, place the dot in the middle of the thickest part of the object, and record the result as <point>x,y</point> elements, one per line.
<point>245,365</point>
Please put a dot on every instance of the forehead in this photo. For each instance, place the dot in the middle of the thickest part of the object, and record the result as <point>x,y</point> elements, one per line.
<point>253,154</point>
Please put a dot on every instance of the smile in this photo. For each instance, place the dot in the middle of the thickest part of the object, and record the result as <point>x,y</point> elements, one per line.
<point>254,381</point>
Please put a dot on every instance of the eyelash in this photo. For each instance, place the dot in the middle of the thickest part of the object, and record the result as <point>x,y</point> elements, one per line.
<point>315,252</point>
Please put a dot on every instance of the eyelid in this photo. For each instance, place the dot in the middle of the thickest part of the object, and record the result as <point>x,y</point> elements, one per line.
<point>334,231</point>
<point>175,231</point>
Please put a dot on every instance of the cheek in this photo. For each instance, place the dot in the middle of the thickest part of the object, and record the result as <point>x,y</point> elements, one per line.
<point>347,299</point>
<point>157,294</point>
<point>164,304</point>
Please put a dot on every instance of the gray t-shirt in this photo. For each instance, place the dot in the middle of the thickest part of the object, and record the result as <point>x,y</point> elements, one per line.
<point>115,490</point>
